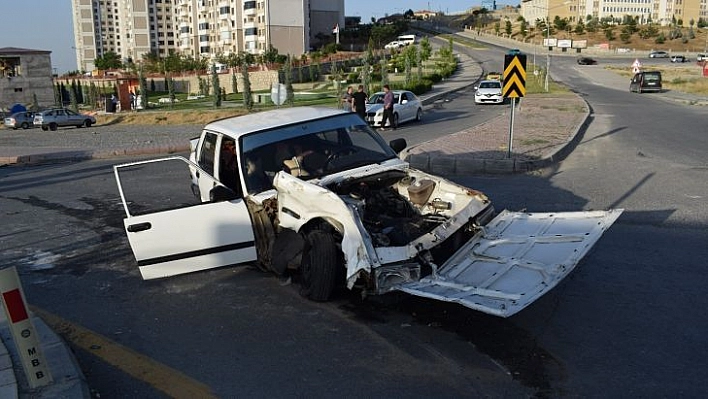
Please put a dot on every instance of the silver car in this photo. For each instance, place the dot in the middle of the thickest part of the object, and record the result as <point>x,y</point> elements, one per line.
<point>18,120</point>
<point>54,118</point>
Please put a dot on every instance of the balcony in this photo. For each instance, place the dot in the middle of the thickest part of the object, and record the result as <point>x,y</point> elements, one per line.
<point>249,8</point>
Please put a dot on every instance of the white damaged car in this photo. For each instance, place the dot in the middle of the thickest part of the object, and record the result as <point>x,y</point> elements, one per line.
<point>317,195</point>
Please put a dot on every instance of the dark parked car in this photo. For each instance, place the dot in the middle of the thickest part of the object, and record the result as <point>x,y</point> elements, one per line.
<point>586,61</point>
<point>18,120</point>
<point>645,81</point>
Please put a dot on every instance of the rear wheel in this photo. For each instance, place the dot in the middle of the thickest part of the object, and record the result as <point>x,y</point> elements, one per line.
<point>25,125</point>
<point>419,115</point>
<point>45,128</point>
<point>53,126</point>
<point>87,123</point>
<point>319,266</point>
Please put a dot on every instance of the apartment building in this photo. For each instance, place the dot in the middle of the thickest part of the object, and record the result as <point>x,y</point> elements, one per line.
<point>129,28</point>
<point>199,28</point>
<point>658,11</point>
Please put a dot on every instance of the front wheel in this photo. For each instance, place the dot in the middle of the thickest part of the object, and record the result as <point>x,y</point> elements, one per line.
<point>45,128</point>
<point>319,266</point>
<point>395,120</point>
<point>25,125</point>
<point>87,123</point>
<point>419,115</point>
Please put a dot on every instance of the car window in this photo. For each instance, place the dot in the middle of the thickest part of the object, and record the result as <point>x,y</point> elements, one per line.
<point>331,144</point>
<point>652,77</point>
<point>404,97</point>
<point>396,98</point>
<point>207,153</point>
<point>70,112</point>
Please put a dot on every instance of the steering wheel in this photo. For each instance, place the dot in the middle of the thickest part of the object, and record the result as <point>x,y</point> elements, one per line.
<point>336,153</point>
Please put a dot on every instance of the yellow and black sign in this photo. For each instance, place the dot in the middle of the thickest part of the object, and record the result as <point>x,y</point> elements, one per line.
<point>514,75</point>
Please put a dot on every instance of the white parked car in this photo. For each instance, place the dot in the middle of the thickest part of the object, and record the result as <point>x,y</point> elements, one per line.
<point>488,91</point>
<point>316,194</point>
<point>394,45</point>
<point>406,107</point>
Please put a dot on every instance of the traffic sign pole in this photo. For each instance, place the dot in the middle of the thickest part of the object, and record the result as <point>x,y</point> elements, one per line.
<point>514,86</point>
<point>511,127</point>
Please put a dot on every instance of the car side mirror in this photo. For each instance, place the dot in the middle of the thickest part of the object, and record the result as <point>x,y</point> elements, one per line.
<point>476,87</point>
<point>404,102</point>
<point>221,193</point>
<point>398,145</point>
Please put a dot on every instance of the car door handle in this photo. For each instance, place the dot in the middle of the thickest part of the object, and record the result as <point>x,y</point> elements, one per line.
<point>133,228</point>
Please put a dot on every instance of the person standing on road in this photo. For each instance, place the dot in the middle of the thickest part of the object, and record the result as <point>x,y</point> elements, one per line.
<point>347,100</point>
<point>360,98</point>
<point>388,109</point>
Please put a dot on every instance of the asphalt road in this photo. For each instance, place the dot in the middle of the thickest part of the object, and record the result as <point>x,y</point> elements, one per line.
<point>628,322</point>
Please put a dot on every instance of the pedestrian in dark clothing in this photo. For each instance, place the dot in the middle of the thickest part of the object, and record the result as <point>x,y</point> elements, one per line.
<point>360,102</point>
<point>388,109</point>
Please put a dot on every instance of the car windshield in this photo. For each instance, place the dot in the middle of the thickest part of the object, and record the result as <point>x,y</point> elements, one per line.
<point>378,98</point>
<point>490,85</point>
<point>317,148</point>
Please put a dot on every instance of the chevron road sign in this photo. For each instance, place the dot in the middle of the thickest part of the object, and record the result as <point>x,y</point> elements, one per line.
<point>514,75</point>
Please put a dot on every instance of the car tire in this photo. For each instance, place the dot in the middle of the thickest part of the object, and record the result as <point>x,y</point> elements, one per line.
<point>419,115</point>
<point>45,128</point>
<point>25,125</point>
<point>53,126</point>
<point>87,123</point>
<point>395,120</point>
<point>319,266</point>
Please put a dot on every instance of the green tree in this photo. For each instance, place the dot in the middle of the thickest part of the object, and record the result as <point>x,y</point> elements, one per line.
<point>247,99</point>
<point>507,27</point>
<point>109,60</point>
<point>426,49</point>
<point>289,92</point>
<point>580,27</point>
<point>152,85</point>
<point>384,72</point>
<point>171,89</point>
<point>72,97</point>
<point>216,92</point>
<point>234,81</point>
<point>57,95</point>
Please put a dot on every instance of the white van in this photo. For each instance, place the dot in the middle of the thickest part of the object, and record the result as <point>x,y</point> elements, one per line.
<point>407,39</point>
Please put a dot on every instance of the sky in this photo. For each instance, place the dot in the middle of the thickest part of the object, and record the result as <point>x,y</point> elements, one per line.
<point>48,24</point>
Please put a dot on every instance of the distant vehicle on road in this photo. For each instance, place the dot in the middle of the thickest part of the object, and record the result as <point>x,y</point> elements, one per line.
<point>658,54</point>
<point>394,45</point>
<point>701,57</point>
<point>488,91</point>
<point>54,118</point>
<point>407,39</point>
<point>494,76</point>
<point>586,61</point>
<point>678,58</point>
<point>18,120</point>
<point>645,81</point>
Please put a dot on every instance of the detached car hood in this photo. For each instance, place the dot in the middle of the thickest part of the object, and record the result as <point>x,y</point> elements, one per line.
<point>517,258</point>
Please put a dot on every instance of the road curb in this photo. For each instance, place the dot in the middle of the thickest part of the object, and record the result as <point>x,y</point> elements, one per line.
<point>447,165</point>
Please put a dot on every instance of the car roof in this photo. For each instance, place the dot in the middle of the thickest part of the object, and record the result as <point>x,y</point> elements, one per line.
<point>237,126</point>
<point>490,80</point>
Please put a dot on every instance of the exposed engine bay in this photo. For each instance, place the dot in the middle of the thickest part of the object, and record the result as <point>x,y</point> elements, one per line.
<point>390,218</point>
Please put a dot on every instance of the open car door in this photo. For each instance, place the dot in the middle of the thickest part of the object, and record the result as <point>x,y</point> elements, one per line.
<point>517,258</point>
<point>173,232</point>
